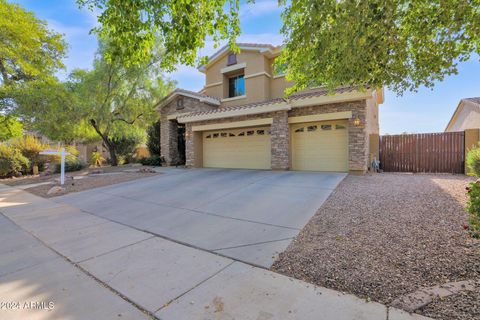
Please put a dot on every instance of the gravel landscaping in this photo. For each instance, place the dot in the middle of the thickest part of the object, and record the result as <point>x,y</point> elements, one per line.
<point>79,180</point>
<point>381,236</point>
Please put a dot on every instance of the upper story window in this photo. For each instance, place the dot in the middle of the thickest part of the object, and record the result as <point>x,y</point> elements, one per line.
<point>232,59</point>
<point>236,86</point>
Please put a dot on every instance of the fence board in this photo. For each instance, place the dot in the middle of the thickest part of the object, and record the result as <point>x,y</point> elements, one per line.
<point>427,152</point>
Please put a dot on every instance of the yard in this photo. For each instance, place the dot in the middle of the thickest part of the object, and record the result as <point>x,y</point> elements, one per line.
<point>382,236</point>
<point>76,181</point>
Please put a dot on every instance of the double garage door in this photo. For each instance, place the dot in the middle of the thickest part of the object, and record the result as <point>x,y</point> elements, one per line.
<point>315,146</point>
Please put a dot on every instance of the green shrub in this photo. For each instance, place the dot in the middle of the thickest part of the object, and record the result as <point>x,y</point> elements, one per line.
<point>71,164</point>
<point>153,138</point>
<point>473,161</point>
<point>30,147</point>
<point>125,147</point>
<point>12,162</point>
<point>473,207</point>
<point>154,160</point>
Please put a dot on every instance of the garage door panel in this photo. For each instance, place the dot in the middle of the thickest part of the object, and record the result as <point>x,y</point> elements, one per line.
<point>247,148</point>
<point>320,146</point>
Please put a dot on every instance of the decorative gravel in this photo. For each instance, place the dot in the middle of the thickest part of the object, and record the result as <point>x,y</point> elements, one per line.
<point>381,236</point>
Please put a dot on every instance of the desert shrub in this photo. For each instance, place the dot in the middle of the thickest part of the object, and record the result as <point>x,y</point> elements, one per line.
<point>96,159</point>
<point>153,138</point>
<point>30,147</point>
<point>125,147</point>
<point>12,161</point>
<point>473,161</point>
<point>473,207</point>
<point>154,160</point>
<point>71,164</point>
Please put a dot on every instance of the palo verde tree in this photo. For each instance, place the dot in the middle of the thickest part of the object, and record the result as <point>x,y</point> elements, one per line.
<point>402,44</point>
<point>117,100</point>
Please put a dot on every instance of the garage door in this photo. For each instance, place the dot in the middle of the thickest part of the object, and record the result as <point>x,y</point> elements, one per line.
<point>320,146</point>
<point>247,148</point>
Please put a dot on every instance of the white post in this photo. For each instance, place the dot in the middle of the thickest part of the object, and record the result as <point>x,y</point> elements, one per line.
<point>62,166</point>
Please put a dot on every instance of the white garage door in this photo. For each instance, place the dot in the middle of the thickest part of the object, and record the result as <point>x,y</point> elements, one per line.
<point>320,146</point>
<point>247,148</point>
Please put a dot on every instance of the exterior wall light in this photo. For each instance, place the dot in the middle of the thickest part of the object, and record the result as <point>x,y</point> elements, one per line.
<point>357,122</point>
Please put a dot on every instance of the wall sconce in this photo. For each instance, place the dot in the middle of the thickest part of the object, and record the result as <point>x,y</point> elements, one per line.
<point>357,122</point>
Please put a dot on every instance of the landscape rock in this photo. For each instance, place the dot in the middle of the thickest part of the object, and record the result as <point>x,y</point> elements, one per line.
<point>56,190</point>
<point>97,171</point>
<point>146,170</point>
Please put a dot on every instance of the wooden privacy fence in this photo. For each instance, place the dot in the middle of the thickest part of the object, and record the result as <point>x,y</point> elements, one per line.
<point>426,152</point>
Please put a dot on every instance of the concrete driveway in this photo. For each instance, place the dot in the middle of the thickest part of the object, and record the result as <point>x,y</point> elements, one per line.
<point>248,215</point>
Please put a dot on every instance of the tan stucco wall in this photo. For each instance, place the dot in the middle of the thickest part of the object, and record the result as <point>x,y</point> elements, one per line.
<point>260,84</point>
<point>467,118</point>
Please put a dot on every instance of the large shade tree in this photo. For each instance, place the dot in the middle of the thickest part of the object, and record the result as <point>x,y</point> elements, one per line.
<point>402,44</point>
<point>117,100</point>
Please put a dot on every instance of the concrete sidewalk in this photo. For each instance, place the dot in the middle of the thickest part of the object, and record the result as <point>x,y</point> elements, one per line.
<point>93,268</point>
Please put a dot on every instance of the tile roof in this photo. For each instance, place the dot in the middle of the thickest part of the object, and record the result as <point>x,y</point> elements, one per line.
<point>474,100</point>
<point>296,96</point>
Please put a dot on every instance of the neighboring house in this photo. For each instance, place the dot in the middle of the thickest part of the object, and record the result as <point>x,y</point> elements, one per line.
<point>466,116</point>
<point>240,119</point>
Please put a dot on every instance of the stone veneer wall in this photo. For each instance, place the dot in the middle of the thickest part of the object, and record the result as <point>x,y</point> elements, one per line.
<point>168,128</point>
<point>280,134</point>
<point>357,136</point>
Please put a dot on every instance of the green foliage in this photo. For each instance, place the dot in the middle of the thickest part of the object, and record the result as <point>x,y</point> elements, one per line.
<point>96,159</point>
<point>12,162</point>
<point>71,164</point>
<point>125,147</point>
<point>153,138</point>
<point>473,161</point>
<point>154,160</point>
<point>181,27</point>
<point>473,207</point>
<point>30,147</point>
<point>402,44</point>
<point>29,52</point>
<point>10,128</point>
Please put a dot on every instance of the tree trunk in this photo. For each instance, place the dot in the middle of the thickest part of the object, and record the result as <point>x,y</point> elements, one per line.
<point>108,144</point>
<point>113,154</point>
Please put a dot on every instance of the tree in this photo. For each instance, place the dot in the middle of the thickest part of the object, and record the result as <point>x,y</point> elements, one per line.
<point>29,52</point>
<point>402,44</point>
<point>181,26</point>
<point>153,138</point>
<point>10,128</point>
<point>117,100</point>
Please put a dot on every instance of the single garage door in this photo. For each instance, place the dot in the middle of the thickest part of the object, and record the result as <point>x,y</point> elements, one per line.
<point>247,148</point>
<point>320,146</point>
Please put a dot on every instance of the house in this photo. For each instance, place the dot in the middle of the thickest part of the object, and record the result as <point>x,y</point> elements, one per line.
<point>466,116</point>
<point>240,119</point>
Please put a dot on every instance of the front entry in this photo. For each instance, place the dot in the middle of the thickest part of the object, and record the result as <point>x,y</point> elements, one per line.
<point>247,148</point>
<point>320,146</point>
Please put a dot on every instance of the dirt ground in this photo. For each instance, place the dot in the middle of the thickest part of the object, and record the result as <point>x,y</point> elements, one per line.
<point>78,180</point>
<point>381,236</point>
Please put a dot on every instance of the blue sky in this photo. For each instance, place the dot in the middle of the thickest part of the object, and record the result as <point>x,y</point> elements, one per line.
<point>424,111</point>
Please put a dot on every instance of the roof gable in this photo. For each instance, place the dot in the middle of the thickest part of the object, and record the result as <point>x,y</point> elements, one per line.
<point>472,101</point>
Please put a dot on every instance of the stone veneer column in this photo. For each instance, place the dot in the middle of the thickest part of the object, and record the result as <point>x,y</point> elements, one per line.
<point>189,146</point>
<point>169,141</point>
<point>358,142</point>
<point>280,141</point>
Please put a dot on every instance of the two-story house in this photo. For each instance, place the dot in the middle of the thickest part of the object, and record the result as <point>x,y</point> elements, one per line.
<point>240,119</point>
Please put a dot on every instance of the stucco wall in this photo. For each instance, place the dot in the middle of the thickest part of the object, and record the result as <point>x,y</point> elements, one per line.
<point>467,118</point>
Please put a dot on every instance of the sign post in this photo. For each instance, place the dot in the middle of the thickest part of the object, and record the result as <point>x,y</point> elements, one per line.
<point>62,153</point>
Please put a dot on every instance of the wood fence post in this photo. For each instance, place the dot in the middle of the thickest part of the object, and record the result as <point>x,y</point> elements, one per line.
<point>472,138</point>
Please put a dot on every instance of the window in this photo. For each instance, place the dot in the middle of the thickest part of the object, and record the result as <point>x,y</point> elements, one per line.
<point>223,134</point>
<point>209,136</point>
<point>250,133</point>
<point>236,86</point>
<point>215,135</point>
<point>326,127</point>
<point>261,132</point>
<point>299,130</point>
<point>180,103</point>
<point>232,59</point>
<point>241,134</point>
<point>340,127</point>
<point>231,134</point>
<point>312,128</point>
